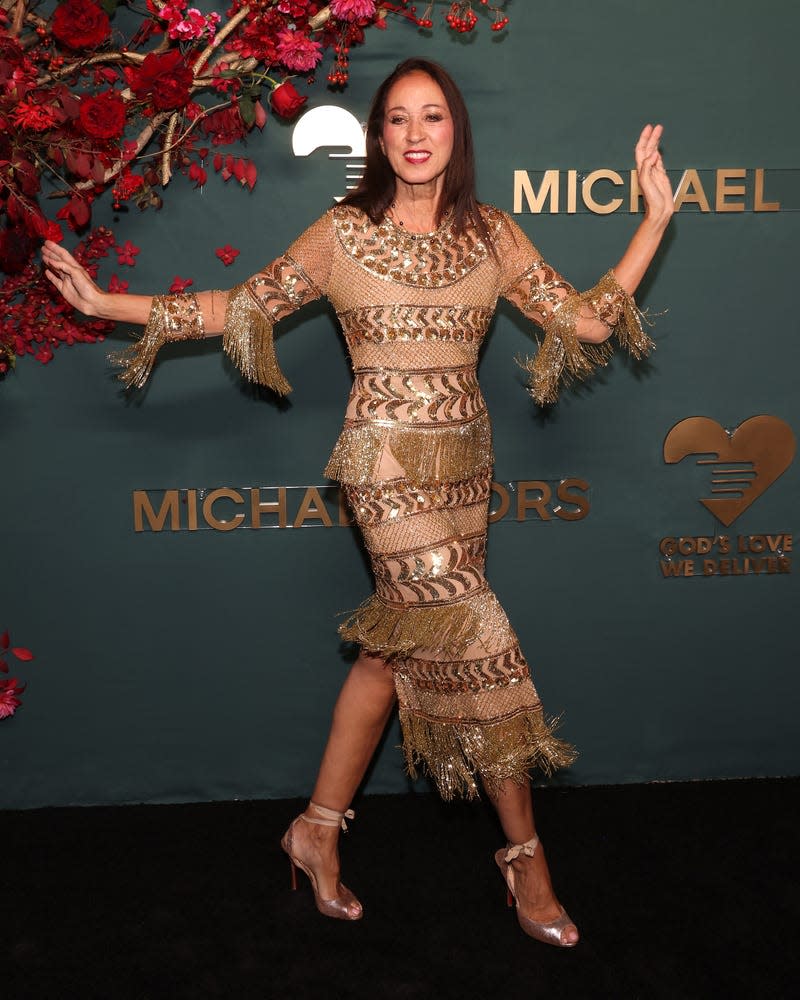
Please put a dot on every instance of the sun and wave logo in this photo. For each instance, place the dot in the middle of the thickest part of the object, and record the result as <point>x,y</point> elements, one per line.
<point>338,130</point>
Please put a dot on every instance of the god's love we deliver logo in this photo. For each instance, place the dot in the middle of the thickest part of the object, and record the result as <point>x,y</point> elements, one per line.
<point>743,464</point>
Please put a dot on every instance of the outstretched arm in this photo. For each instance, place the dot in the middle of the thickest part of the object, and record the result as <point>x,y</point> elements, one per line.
<point>83,293</point>
<point>244,316</point>
<point>659,206</point>
<point>657,191</point>
<point>578,324</point>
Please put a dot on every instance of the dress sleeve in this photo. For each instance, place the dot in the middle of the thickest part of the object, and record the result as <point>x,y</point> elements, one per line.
<point>297,277</point>
<point>544,296</point>
<point>251,310</point>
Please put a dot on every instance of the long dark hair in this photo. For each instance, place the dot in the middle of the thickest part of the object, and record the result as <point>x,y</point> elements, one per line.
<point>376,190</point>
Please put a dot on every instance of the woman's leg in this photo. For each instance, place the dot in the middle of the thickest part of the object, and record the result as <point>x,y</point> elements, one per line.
<point>359,719</point>
<point>534,890</point>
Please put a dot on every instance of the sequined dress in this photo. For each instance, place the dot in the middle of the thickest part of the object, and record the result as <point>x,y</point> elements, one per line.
<point>415,460</point>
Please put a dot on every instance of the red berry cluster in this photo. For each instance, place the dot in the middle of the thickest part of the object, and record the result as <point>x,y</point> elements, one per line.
<point>461,17</point>
<point>424,21</point>
<point>340,72</point>
<point>500,24</point>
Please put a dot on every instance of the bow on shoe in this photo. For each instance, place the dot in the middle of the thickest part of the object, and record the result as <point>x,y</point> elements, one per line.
<point>528,849</point>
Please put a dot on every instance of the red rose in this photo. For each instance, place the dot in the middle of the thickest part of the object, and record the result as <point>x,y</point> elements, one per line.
<point>165,78</point>
<point>11,52</point>
<point>103,116</point>
<point>286,101</point>
<point>80,24</point>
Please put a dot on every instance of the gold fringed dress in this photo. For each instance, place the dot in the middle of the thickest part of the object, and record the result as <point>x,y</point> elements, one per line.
<point>415,460</point>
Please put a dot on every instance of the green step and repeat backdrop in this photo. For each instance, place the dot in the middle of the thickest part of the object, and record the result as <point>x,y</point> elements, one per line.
<point>177,561</point>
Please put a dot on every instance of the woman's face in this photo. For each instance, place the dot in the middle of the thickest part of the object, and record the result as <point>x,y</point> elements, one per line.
<point>417,136</point>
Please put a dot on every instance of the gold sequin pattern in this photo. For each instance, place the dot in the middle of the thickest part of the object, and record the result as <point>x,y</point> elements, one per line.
<point>389,501</point>
<point>435,397</point>
<point>468,690</point>
<point>403,323</point>
<point>433,574</point>
<point>430,260</point>
<point>464,676</point>
<point>538,291</point>
<point>172,317</point>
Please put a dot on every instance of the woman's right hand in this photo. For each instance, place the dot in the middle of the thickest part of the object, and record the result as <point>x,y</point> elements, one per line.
<point>72,280</point>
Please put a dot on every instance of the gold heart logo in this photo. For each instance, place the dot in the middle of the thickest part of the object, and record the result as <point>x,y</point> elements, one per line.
<point>761,449</point>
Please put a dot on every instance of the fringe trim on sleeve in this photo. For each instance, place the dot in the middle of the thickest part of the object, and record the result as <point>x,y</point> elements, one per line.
<point>426,454</point>
<point>172,317</point>
<point>247,340</point>
<point>445,629</point>
<point>564,358</point>
<point>455,752</point>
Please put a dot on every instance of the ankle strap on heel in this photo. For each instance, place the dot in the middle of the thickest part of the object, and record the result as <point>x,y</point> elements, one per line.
<point>528,849</point>
<point>328,817</point>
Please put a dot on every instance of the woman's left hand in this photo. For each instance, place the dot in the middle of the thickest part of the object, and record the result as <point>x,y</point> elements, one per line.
<point>653,181</point>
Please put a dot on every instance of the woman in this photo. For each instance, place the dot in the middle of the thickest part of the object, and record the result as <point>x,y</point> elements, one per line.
<point>414,266</point>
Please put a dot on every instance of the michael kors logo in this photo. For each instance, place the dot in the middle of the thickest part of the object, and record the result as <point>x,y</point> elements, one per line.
<point>744,462</point>
<point>330,127</point>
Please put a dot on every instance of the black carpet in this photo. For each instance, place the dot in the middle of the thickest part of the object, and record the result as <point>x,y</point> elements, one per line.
<point>680,891</point>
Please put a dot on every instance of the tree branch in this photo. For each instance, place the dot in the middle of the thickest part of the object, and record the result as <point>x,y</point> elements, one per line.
<point>220,37</point>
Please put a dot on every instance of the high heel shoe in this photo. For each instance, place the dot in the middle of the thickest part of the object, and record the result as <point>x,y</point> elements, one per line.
<point>340,906</point>
<point>549,933</point>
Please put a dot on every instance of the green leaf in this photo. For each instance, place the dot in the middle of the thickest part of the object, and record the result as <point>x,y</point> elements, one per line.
<point>247,110</point>
<point>109,6</point>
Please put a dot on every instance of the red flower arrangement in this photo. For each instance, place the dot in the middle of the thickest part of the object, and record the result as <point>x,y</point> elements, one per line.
<point>98,112</point>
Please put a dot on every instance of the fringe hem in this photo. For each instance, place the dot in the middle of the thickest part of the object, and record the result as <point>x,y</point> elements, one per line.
<point>426,454</point>
<point>356,454</point>
<point>136,361</point>
<point>248,341</point>
<point>563,359</point>
<point>456,753</point>
<point>386,631</point>
<point>172,317</point>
